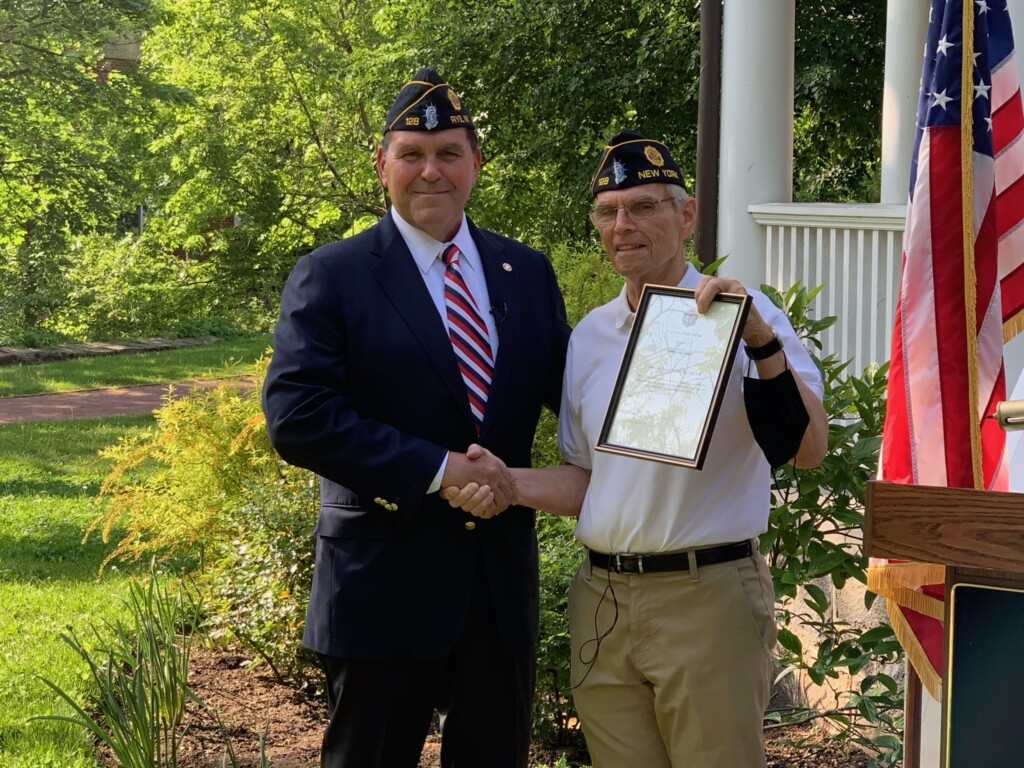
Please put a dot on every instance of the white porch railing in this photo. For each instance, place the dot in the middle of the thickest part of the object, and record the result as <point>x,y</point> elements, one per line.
<point>855,250</point>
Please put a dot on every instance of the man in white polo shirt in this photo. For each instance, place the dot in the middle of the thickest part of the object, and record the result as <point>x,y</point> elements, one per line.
<point>672,611</point>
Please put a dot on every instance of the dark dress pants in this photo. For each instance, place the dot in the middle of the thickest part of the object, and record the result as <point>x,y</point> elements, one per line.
<point>380,710</point>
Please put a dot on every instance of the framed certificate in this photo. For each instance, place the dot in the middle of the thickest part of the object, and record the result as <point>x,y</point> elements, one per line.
<point>673,376</point>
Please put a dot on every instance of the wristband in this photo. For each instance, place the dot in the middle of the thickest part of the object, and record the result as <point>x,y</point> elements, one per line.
<point>765,350</point>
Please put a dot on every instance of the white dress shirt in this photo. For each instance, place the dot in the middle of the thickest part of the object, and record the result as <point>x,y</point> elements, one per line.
<point>426,252</point>
<point>639,505</point>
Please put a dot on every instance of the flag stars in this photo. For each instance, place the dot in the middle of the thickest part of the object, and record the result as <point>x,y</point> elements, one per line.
<point>982,6</point>
<point>941,99</point>
<point>981,90</point>
<point>944,45</point>
<point>988,123</point>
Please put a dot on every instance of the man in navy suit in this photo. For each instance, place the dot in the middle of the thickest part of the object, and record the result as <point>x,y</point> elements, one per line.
<point>388,363</point>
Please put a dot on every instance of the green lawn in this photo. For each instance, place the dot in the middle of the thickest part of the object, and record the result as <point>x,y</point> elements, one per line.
<point>222,358</point>
<point>49,475</point>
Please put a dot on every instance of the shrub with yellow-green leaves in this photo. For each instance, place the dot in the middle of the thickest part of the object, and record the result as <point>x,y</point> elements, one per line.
<point>173,490</point>
<point>205,488</point>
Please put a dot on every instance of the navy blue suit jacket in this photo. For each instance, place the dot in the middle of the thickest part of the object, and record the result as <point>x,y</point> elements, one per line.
<point>363,389</point>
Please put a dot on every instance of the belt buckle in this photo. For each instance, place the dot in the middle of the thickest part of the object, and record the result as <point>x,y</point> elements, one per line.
<point>628,562</point>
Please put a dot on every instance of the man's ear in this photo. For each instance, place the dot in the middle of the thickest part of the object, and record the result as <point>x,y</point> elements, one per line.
<point>380,163</point>
<point>689,216</point>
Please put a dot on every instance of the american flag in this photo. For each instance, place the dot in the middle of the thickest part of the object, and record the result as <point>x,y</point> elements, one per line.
<point>959,296</point>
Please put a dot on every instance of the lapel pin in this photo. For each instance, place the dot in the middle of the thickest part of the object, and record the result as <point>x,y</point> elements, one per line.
<point>506,266</point>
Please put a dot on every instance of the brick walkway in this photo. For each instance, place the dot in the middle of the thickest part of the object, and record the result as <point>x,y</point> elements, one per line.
<point>89,403</point>
<point>92,403</point>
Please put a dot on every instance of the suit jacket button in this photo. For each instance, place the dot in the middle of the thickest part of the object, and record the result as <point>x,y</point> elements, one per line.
<point>470,525</point>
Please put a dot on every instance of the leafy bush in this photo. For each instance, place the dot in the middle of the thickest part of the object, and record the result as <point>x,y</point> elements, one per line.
<point>206,487</point>
<point>554,715</point>
<point>814,536</point>
<point>124,287</point>
<point>30,286</point>
<point>257,584</point>
<point>197,461</point>
<point>586,278</point>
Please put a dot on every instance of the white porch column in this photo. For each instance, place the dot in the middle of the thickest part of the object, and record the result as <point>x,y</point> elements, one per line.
<point>906,26</point>
<point>756,160</point>
<point>1016,9</point>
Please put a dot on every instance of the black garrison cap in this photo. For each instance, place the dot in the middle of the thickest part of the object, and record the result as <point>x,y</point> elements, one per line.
<point>630,160</point>
<point>427,103</point>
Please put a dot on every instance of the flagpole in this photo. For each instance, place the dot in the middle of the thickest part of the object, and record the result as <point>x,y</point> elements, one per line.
<point>967,206</point>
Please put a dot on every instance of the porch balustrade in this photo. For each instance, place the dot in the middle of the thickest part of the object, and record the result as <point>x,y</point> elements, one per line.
<point>855,251</point>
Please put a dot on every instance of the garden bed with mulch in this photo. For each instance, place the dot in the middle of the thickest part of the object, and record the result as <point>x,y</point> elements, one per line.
<point>251,706</point>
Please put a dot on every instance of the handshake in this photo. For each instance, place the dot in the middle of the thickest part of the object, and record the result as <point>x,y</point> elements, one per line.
<point>478,482</point>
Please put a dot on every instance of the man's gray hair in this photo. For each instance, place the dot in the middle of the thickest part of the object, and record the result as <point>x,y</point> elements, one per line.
<point>678,193</point>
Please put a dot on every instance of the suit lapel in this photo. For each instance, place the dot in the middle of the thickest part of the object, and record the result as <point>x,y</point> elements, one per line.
<point>401,281</point>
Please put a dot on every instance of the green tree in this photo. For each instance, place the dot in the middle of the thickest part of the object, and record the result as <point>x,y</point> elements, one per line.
<point>286,102</point>
<point>549,83</point>
<point>840,54</point>
<point>70,139</point>
<point>267,114</point>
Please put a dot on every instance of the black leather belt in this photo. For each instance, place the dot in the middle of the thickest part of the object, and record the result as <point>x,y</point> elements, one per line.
<point>630,562</point>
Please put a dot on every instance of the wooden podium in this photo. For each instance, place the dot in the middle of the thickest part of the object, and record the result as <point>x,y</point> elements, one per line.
<point>979,536</point>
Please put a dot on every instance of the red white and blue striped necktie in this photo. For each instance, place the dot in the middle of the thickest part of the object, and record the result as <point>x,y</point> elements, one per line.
<point>468,333</point>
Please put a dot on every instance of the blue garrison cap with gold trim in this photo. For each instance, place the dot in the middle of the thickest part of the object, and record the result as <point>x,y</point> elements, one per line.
<point>427,103</point>
<point>630,160</point>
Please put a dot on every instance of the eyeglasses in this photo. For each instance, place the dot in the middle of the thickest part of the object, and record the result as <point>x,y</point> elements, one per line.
<point>604,215</point>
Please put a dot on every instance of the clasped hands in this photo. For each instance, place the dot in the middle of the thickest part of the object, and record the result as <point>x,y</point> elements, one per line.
<point>478,482</point>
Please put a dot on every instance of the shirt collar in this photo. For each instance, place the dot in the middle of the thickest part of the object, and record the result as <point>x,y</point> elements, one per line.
<point>425,249</point>
<point>624,316</point>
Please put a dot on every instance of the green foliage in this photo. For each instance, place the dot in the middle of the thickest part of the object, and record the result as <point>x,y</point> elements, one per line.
<point>285,103</point>
<point>554,717</point>
<point>198,460</point>
<point>586,278</point>
<point>268,116</point>
<point>71,141</point>
<point>837,126</point>
<point>122,287</point>
<point>257,584</point>
<point>549,84</point>
<point>49,474</point>
<point>814,542</point>
<point>204,487</point>
<point>139,670</point>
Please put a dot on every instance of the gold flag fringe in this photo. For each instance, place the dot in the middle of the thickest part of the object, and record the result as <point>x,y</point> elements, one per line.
<point>970,275</point>
<point>916,656</point>
<point>899,584</point>
<point>1013,326</point>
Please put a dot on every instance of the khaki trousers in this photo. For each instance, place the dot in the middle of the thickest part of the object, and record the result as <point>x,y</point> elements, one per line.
<point>671,671</point>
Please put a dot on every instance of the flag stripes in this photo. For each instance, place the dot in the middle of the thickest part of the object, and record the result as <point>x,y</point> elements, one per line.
<point>962,292</point>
